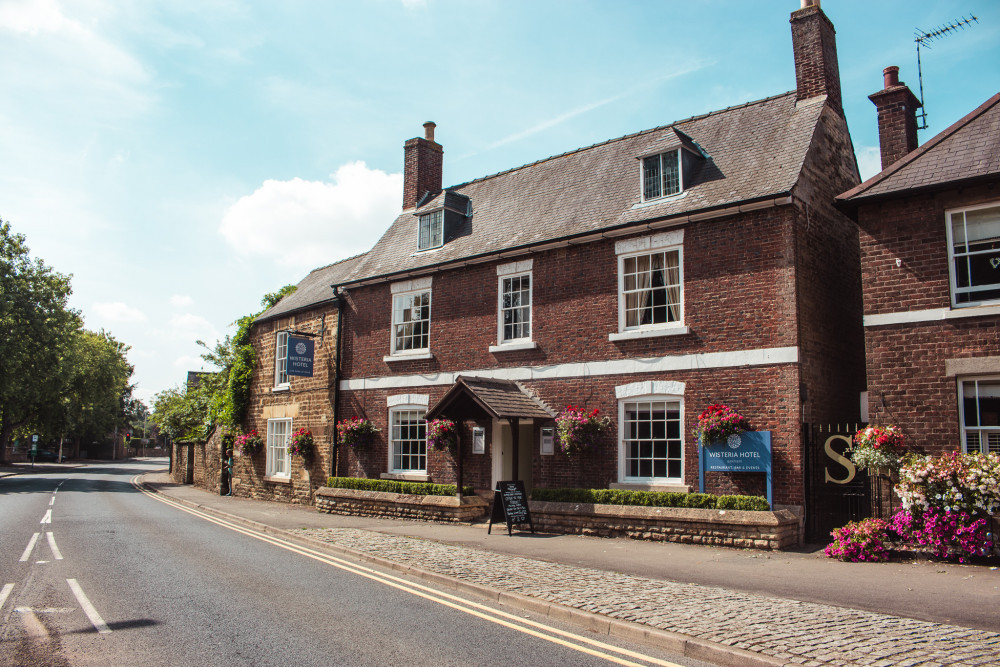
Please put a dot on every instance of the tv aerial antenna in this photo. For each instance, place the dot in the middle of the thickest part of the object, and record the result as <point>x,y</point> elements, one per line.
<point>923,38</point>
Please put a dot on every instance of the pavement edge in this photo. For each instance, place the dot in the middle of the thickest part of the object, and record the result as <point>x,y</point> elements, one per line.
<point>690,647</point>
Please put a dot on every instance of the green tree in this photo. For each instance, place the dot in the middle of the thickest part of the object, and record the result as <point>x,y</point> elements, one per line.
<point>37,335</point>
<point>181,412</point>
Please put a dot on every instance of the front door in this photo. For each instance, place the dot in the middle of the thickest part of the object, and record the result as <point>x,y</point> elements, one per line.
<point>503,452</point>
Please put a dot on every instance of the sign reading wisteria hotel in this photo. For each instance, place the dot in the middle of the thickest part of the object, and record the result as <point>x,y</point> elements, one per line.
<point>300,357</point>
<point>746,452</point>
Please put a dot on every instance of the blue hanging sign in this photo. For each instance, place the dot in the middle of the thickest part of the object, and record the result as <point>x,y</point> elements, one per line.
<point>300,357</point>
<point>746,452</point>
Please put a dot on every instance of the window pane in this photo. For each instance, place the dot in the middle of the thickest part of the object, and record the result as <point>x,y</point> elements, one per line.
<point>277,446</point>
<point>430,230</point>
<point>409,446</point>
<point>651,288</point>
<point>976,254</point>
<point>981,415</point>
<point>515,307</point>
<point>651,440</point>
<point>281,358</point>
<point>671,174</point>
<point>411,321</point>
<point>651,177</point>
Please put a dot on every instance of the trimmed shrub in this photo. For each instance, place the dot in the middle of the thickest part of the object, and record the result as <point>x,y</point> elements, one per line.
<point>650,498</point>
<point>395,486</point>
<point>745,503</point>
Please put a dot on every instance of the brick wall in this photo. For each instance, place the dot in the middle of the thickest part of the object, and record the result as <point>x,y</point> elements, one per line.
<point>908,383</point>
<point>308,401</point>
<point>828,299</point>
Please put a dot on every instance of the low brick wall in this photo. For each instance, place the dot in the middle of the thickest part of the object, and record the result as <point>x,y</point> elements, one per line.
<point>399,505</point>
<point>727,528</point>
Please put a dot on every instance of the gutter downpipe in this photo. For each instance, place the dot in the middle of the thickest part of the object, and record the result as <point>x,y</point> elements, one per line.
<point>336,380</point>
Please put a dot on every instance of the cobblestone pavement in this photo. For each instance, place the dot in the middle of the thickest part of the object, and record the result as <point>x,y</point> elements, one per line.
<point>797,632</point>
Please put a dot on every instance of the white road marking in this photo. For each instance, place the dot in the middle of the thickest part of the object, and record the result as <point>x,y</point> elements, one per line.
<point>548,633</point>
<point>52,501</point>
<point>4,592</point>
<point>34,626</point>
<point>47,518</point>
<point>42,562</point>
<point>88,608</point>
<point>52,544</point>
<point>31,545</point>
<point>47,610</point>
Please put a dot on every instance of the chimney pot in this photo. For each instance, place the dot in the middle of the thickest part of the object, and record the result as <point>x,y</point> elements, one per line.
<point>809,3</point>
<point>891,76</point>
<point>429,130</point>
<point>897,117</point>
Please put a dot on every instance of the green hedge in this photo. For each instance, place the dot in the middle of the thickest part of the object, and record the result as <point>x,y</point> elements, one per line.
<point>651,499</point>
<point>394,486</point>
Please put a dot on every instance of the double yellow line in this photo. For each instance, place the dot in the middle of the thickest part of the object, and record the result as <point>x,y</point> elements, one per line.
<point>542,631</point>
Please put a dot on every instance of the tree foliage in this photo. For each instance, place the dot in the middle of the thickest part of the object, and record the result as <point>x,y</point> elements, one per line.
<point>220,398</point>
<point>56,378</point>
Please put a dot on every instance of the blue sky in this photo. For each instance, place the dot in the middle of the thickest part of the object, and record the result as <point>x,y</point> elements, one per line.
<point>181,159</point>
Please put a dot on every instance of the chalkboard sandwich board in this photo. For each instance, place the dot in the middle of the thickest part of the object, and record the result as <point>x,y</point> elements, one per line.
<point>510,504</point>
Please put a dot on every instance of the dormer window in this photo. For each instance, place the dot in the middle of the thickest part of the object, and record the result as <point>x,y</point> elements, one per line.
<point>431,231</point>
<point>661,175</point>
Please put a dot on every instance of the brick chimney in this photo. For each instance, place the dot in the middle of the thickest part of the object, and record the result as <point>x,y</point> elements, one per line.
<point>422,161</point>
<point>814,43</point>
<point>897,117</point>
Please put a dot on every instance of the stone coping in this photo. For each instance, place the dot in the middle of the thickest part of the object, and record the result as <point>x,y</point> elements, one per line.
<point>679,514</point>
<point>401,498</point>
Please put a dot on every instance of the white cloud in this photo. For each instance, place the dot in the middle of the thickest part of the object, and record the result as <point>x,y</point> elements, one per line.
<point>415,4</point>
<point>869,161</point>
<point>181,301</point>
<point>190,327</point>
<point>188,363</point>
<point>118,312</point>
<point>310,223</point>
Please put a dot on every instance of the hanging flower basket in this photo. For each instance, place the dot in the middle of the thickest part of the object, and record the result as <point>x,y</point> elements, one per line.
<point>580,431</point>
<point>717,423</point>
<point>356,432</point>
<point>248,444</point>
<point>441,434</point>
<point>300,443</point>
<point>878,447</point>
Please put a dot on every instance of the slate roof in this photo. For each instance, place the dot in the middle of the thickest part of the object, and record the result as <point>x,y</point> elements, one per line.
<point>755,150</point>
<point>968,150</point>
<point>503,399</point>
<point>313,290</point>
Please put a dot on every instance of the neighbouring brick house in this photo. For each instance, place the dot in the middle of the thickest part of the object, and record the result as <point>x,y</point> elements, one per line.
<point>281,403</point>
<point>930,256</point>
<point>646,276</point>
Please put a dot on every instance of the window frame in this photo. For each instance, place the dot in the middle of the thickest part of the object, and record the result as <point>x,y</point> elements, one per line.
<point>281,379</point>
<point>396,352</point>
<point>269,448</point>
<point>642,175</point>
<point>391,436</point>
<point>678,324</point>
<point>962,423</point>
<point>435,226</point>
<point>952,278</point>
<point>501,340</point>
<point>623,458</point>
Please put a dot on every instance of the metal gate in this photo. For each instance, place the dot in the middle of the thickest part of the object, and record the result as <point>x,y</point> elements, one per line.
<point>836,490</point>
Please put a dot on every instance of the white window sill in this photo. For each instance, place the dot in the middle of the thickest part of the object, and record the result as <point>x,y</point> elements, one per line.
<point>281,479</point>
<point>635,334</point>
<point>407,357</point>
<point>513,347</point>
<point>665,486</point>
<point>281,388</point>
<point>660,200</point>
<point>406,476</point>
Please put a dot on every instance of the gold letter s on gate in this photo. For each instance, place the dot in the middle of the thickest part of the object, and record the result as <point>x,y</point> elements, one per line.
<point>842,460</point>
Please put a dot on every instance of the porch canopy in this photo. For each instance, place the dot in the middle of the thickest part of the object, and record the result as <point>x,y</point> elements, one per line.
<point>482,398</point>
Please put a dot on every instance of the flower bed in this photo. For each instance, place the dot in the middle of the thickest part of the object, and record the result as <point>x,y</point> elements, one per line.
<point>947,503</point>
<point>399,500</point>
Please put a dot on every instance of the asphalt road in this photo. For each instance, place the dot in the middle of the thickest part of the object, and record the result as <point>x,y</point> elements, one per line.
<point>95,572</point>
